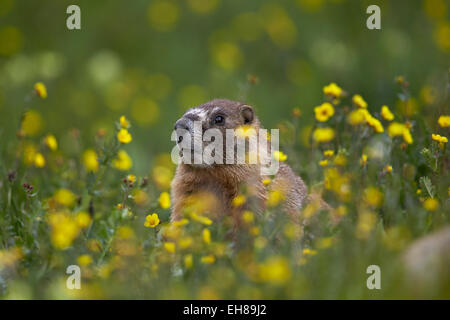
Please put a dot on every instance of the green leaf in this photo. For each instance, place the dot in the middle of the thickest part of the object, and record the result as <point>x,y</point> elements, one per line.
<point>430,159</point>
<point>426,184</point>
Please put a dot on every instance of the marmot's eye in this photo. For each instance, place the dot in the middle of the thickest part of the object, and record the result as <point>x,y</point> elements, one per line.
<point>219,120</point>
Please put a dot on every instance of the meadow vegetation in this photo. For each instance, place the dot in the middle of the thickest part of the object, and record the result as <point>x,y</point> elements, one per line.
<point>85,166</point>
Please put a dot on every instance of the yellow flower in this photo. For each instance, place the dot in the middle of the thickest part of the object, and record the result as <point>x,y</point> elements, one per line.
<point>140,197</point>
<point>325,242</point>
<point>188,261</point>
<point>239,200</point>
<point>163,15</point>
<point>267,181</point>
<point>291,231</point>
<point>125,232</point>
<point>204,220</point>
<point>40,90</point>
<point>164,200</point>
<point>311,209</point>
<point>29,153</point>
<point>399,129</point>
<point>162,176</point>
<point>279,155</point>
<point>359,101</point>
<point>388,168</point>
<point>181,222</point>
<point>206,234</point>
<point>203,6</point>
<point>245,131</point>
<point>84,260</point>
<point>373,197</point>
<point>151,220</point>
<point>407,136</point>
<point>39,160</point>
<point>324,112</point>
<point>254,231</point>
<point>444,121</point>
<point>124,122</point>
<point>375,124</point>
<point>418,191</point>
<point>169,246</point>
<point>104,271</point>
<point>366,222</point>
<point>357,117</point>
<point>275,270</point>
<point>208,259</point>
<point>131,178</point>
<point>90,160</point>
<point>32,123</point>
<point>124,136</point>
<point>323,163</point>
<point>328,153</point>
<point>363,160</point>
<point>185,242</point>
<point>274,198</point>
<point>332,90</point>
<point>308,251</point>
<point>51,142</point>
<point>396,129</point>
<point>83,219</point>
<point>247,216</point>
<point>64,230</point>
<point>340,160</point>
<point>360,116</point>
<point>439,138</point>
<point>341,211</point>
<point>430,204</point>
<point>171,232</point>
<point>123,161</point>
<point>64,197</point>
<point>442,35</point>
<point>323,135</point>
<point>339,184</point>
<point>386,113</point>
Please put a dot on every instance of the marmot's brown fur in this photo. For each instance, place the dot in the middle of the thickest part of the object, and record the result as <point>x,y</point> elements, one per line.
<point>221,183</point>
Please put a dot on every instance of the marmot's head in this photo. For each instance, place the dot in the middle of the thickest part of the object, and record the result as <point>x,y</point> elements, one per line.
<point>200,125</point>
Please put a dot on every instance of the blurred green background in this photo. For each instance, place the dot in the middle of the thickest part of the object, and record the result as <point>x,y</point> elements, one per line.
<point>151,60</point>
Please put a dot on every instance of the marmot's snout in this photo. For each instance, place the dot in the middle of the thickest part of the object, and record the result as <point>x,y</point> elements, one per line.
<point>182,126</point>
<point>189,131</point>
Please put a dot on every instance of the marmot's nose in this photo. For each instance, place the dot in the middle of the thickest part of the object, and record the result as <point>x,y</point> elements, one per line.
<point>183,123</point>
<point>180,125</point>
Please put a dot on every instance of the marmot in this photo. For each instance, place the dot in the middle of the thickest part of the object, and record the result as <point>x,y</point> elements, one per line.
<point>218,184</point>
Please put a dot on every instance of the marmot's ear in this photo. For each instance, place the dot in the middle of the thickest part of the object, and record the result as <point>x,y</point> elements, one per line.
<point>247,114</point>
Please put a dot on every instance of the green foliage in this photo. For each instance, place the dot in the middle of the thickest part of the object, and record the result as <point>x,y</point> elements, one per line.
<point>89,200</point>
